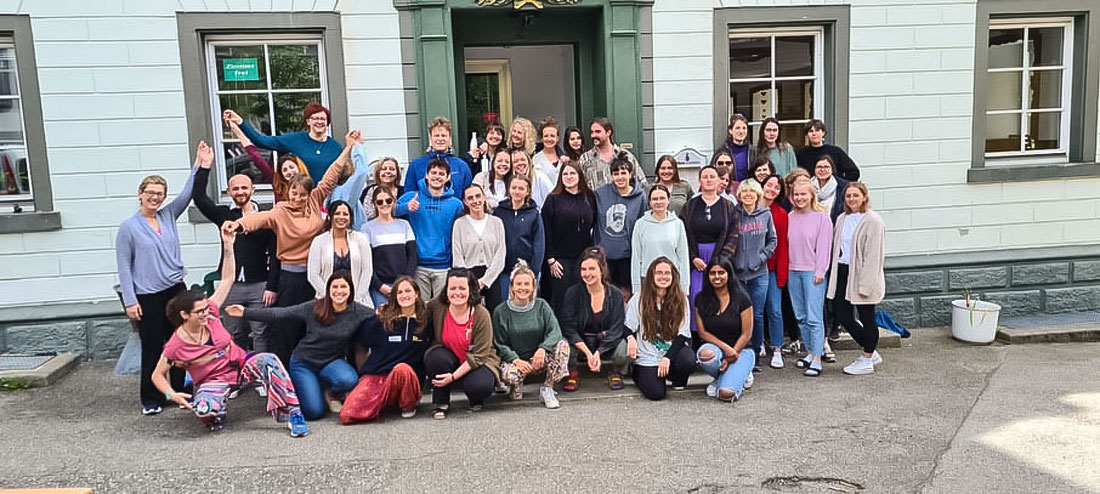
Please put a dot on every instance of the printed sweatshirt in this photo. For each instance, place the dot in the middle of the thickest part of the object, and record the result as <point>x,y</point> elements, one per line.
<point>756,243</point>
<point>615,218</point>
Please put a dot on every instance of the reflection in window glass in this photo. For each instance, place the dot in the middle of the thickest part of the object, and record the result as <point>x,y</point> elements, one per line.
<point>1002,133</point>
<point>1004,91</point>
<point>1044,46</point>
<point>1043,130</point>
<point>750,58</point>
<point>1006,48</point>
<point>15,177</point>
<point>794,56</point>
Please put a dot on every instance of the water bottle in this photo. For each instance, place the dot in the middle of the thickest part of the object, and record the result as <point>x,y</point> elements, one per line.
<point>473,141</point>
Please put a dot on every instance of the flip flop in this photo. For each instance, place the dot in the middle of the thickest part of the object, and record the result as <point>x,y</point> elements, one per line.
<point>572,382</point>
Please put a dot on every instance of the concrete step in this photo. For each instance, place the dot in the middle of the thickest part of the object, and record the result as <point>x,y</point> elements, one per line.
<point>1050,328</point>
<point>45,374</point>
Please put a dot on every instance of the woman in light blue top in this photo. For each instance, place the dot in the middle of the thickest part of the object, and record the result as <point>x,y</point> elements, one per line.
<point>151,272</point>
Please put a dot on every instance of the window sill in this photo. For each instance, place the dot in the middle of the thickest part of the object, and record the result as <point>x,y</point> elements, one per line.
<point>1026,173</point>
<point>37,221</point>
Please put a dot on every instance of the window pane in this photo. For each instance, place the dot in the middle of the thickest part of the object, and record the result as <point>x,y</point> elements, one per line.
<point>1042,130</point>
<point>1044,46</point>
<point>294,67</point>
<point>251,107</point>
<point>1045,89</point>
<point>1006,48</point>
<point>240,67</point>
<point>751,99</point>
<point>238,161</point>
<point>796,100</point>
<point>793,134</point>
<point>750,58</point>
<point>14,174</point>
<point>1003,91</point>
<point>794,56</point>
<point>9,83</point>
<point>288,111</point>
<point>1002,132</point>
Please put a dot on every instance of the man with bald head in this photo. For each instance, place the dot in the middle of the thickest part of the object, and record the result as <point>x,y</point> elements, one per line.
<point>257,267</point>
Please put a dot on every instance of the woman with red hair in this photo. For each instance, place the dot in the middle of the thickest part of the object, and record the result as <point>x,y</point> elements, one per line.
<point>313,146</point>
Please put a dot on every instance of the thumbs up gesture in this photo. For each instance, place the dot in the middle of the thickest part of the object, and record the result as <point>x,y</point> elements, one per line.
<point>414,203</point>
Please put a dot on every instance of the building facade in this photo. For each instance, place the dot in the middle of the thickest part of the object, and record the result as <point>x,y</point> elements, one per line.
<point>975,122</point>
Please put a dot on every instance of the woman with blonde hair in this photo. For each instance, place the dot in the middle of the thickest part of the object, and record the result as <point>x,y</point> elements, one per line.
<point>857,265</point>
<point>521,135</point>
<point>494,180</point>
<point>528,339</point>
<point>809,234</point>
<point>541,185</point>
<point>386,176</point>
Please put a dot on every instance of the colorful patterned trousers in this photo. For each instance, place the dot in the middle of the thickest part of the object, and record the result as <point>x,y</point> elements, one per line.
<point>265,368</point>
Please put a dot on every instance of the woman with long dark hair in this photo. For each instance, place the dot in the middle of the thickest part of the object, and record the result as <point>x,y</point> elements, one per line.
<point>318,359</point>
<point>341,249</point>
<point>575,145</point>
<point>592,321</point>
<point>780,153</point>
<point>568,216</point>
<point>778,265</point>
<point>724,317</point>
<point>738,146</point>
<point>494,179</point>
<point>463,344</point>
<point>481,157</point>
<point>657,320</point>
<point>390,356</point>
<point>668,175</point>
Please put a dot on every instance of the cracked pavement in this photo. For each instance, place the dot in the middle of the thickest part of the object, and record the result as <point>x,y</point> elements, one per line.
<point>939,416</point>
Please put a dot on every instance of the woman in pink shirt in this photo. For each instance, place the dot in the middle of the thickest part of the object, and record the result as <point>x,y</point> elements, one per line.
<point>202,346</point>
<point>809,238</point>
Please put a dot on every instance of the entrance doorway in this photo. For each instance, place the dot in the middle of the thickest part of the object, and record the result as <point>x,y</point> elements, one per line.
<point>533,81</point>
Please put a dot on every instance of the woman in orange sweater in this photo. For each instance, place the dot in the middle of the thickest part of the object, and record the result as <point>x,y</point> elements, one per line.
<point>295,222</point>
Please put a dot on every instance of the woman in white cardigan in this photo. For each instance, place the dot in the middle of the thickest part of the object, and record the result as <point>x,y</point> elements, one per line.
<point>341,249</point>
<point>857,266</point>
<point>477,244</point>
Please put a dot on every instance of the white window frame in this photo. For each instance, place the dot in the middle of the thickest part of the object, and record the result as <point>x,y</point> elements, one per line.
<point>212,71</point>
<point>1024,156</point>
<point>818,33</point>
<point>25,201</point>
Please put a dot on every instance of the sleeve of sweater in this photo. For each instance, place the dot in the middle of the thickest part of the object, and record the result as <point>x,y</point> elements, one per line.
<point>733,235</point>
<point>548,213</point>
<point>873,247</point>
<point>496,263</point>
<point>315,266</point>
<point>636,254</point>
<point>273,264</point>
<point>458,248</point>
<point>501,335</point>
<point>683,262</point>
<point>263,219</point>
<point>260,163</point>
<point>301,312</point>
<point>328,182</point>
<point>366,274</point>
<point>689,211</point>
<point>769,240</point>
<point>540,245</point>
<point>179,204</point>
<point>412,258</point>
<point>402,207</point>
<point>202,200</point>
<point>824,244</point>
<point>847,168</point>
<point>632,320</point>
<point>481,352</point>
<point>266,142</point>
<point>553,331</point>
<point>570,308</point>
<point>124,258</point>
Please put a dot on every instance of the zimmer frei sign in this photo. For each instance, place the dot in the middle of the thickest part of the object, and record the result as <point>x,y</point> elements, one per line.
<point>241,69</point>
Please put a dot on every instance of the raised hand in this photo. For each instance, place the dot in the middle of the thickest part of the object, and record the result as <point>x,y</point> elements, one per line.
<point>231,117</point>
<point>354,137</point>
<point>204,155</point>
<point>414,203</point>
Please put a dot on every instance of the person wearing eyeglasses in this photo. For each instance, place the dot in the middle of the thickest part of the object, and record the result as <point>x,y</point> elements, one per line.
<point>313,146</point>
<point>151,271</point>
<point>393,246</point>
<point>711,223</point>
<point>723,162</point>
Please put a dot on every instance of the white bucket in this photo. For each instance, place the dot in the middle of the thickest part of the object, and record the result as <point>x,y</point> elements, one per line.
<point>974,324</point>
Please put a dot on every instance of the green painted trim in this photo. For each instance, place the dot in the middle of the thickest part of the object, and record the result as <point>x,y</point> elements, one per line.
<point>836,19</point>
<point>37,221</point>
<point>1085,85</point>
<point>18,27</point>
<point>192,27</point>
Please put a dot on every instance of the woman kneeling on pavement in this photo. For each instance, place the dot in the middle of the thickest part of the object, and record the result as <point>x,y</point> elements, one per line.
<point>658,321</point>
<point>592,321</point>
<point>528,339</point>
<point>319,357</point>
<point>724,316</point>
<point>218,367</point>
<point>390,356</point>
<point>463,344</point>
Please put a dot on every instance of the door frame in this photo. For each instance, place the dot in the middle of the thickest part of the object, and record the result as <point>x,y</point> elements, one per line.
<point>500,67</point>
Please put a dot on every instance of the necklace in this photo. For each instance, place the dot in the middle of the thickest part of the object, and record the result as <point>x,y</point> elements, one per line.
<point>318,144</point>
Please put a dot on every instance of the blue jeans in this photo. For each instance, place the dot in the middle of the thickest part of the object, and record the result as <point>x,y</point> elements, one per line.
<point>757,289</point>
<point>378,299</point>
<point>736,373</point>
<point>773,309</point>
<point>338,374</point>
<point>808,302</point>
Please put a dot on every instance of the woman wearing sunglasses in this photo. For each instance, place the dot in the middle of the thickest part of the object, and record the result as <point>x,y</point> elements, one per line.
<point>393,247</point>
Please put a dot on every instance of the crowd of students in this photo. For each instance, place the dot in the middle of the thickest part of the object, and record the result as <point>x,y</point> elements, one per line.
<point>529,256</point>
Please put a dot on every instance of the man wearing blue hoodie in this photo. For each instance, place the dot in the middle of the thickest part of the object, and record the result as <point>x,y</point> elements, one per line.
<point>431,209</point>
<point>440,136</point>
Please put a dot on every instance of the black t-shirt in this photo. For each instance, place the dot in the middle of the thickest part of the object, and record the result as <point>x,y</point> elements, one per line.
<point>708,227</point>
<point>727,325</point>
<point>389,348</point>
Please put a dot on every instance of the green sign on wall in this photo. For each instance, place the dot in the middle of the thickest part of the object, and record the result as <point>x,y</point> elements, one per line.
<point>241,69</point>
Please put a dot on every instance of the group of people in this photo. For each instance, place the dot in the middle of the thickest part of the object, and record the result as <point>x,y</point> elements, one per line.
<point>530,255</point>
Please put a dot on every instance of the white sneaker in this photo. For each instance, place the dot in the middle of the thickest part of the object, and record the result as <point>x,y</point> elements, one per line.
<point>233,394</point>
<point>861,366</point>
<point>750,381</point>
<point>712,388</point>
<point>262,391</point>
<point>777,360</point>
<point>876,358</point>
<point>408,414</point>
<point>763,352</point>
<point>546,396</point>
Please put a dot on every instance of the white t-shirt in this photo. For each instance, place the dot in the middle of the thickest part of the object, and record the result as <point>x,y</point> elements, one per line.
<point>650,353</point>
<point>479,225</point>
<point>851,221</point>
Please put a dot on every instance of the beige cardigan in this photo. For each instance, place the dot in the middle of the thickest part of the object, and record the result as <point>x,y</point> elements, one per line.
<point>866,279</point>
<point>321,253</point>
<point>468,249</point>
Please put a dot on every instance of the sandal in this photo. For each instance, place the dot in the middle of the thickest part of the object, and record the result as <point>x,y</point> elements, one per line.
<point>803,363</point>
<point>812,371</point>
<point>615,382</point>
<point>439,413</point>
<point>572,382</point>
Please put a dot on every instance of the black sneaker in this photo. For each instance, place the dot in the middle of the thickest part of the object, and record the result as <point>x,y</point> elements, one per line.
<point>834,334</point>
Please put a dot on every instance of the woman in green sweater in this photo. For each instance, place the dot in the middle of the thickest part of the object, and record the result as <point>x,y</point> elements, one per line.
<point>528,339</point>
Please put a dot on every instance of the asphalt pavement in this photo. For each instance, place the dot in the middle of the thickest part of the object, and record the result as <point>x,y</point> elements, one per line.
<point>938,416</point>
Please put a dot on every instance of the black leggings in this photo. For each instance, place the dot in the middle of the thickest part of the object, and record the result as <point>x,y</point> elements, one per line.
<point>652,386</point>
<point>478,383</point>
<point>294,289</point>
<point>866,334</point>
<point>155,330</point>
<point>569,277</point>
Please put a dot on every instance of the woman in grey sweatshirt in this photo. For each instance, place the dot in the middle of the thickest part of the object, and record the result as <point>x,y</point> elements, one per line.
<point>619,204</point>
<point>757,241</point>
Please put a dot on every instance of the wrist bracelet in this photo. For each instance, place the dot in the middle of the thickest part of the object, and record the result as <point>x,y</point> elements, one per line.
<point>169,394</point>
